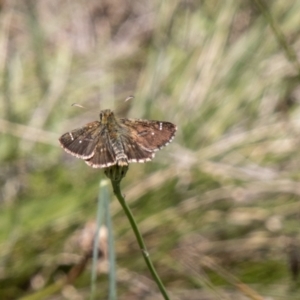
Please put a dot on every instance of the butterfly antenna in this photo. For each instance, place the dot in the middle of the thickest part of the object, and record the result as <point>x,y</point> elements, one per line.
<point>129,98</point>
<point>78,105</point>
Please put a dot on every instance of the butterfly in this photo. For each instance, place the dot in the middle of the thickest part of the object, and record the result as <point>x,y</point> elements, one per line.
<point>117,141</point>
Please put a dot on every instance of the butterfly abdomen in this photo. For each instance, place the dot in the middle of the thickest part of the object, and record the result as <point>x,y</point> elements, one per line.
<point>121,157</point>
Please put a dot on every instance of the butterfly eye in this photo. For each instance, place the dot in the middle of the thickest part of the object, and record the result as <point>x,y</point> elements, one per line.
<point>101,116</point>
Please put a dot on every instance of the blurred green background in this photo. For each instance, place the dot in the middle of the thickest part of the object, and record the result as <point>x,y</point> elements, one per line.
<point>217,207</point>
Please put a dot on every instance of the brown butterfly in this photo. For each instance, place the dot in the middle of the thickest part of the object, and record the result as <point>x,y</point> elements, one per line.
<point>114,141</point>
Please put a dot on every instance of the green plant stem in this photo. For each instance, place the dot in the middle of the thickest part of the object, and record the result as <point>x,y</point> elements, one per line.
<point>117,192</point>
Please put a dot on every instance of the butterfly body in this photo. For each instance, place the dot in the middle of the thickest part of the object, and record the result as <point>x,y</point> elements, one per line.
<point>114,141</point>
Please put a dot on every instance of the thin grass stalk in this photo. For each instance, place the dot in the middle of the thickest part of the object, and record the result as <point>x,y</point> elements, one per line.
<point>37,44</point>
<point>242,287</point>
<point>102,197</point>
<point>288,50</point>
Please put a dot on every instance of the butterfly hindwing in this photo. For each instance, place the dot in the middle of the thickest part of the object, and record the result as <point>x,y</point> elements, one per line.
<point>134,151</point>
<point>104,155</point>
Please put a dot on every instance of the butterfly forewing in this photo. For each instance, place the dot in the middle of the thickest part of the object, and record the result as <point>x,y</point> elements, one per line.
<point>81,142</point>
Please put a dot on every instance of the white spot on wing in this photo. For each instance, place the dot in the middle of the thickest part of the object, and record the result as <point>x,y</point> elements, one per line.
<point>160,125</point>
<point>71,136</point>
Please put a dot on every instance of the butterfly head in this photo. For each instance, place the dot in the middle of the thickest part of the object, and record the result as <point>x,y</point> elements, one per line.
<point>106,116</point>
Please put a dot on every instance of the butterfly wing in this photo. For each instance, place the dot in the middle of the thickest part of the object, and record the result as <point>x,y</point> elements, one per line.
<point>143,137</point>
<point>152,135</point>
<point>82,142</point>
<point>134,151</point>
<point>104,155</point>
